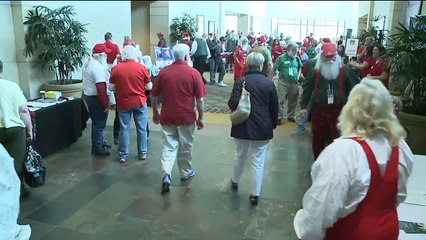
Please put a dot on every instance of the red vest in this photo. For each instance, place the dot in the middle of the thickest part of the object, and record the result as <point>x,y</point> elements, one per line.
<point>376,216</point>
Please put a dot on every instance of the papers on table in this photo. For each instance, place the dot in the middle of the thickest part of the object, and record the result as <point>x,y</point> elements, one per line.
<point>41,103</point>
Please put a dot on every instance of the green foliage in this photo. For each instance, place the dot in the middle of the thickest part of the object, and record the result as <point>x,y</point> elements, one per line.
<point>406,55</point>
<point>373,32</point>
<point>187,23</point>
<point>56,41</point>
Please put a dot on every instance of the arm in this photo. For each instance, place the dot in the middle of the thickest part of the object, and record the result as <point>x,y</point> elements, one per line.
<point>273,106</point>
<point>360,66</point>
<point>235,95</point>
<point>324,201</point>
<point>24,113</point>
<point>101,89</point>
<point>308,88</point>
<point>208,51</point>
<point>200,110</point>
<point>194,47</point>
<point>383,77</point>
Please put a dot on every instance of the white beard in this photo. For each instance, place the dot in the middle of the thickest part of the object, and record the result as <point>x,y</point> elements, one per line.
<point>329,70</point>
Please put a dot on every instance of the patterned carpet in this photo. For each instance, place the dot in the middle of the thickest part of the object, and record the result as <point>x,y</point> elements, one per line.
<point>216,100</point>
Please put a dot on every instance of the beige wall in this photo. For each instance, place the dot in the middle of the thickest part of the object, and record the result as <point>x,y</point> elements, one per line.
<point>158,22</point>
<point>141,25</point>
<point>7,43</point>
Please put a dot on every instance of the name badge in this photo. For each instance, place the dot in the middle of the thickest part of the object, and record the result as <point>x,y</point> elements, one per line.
<point>330,97</point>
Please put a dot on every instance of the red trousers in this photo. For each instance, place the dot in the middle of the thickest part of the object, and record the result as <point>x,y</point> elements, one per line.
<point>324,127</point>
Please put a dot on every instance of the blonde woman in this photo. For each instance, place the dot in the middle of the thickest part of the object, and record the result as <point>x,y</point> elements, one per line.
<point>359,180</point>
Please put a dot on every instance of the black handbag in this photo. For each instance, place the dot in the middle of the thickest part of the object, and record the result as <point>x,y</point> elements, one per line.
<point>34,172</point>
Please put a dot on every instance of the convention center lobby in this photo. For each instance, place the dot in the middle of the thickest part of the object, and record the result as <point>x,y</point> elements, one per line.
<point>91,197</point>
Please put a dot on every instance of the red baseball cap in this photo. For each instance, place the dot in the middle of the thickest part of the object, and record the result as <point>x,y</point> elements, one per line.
<point>160,33</point>
<point>261,39</point>
<point>185,34</point>
<point>100,48</point>
<point>326,40</point>
<point>328,49</point>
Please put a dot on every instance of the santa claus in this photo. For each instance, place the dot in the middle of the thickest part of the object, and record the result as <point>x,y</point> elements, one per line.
<point>186,39</point>
<point>329,86</point>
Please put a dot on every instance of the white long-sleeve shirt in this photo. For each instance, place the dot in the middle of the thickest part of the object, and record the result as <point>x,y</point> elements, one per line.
<point>194,48</point>
<point>340,181</point>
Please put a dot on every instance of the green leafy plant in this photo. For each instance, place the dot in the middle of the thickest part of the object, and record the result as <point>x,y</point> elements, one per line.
<point>56,41</point>
<point>406,55</point>
<point>378,34</point>
<point>187,23</point>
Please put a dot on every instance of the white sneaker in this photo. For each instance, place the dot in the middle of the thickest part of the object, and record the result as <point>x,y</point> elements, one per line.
<point>222,84</point>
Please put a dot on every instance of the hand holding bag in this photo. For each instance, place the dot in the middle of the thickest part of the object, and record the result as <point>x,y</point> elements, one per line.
<point>35,172</point>
<point>244,107</point>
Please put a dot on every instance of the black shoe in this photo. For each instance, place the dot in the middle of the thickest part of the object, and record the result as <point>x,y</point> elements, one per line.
<point>165,187</point>
<point>290,119</point>
<point>101,152</point>
<point>254,200</point>
<point>106,145</point>
<point>234,185</point>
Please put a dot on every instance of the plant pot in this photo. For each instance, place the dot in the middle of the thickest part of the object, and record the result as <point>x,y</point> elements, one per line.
<point>74,89</point>
<point>415,125</point>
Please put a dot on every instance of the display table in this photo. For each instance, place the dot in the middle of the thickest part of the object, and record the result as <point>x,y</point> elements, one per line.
<point>58,126</point>
<point>414,209</point>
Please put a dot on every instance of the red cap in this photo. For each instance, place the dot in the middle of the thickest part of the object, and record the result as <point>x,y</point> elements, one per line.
<point>129,42</point>
<point>261,39</point>
<point>326,40</point>
<point>100,48</point>
<point>186,34</point>
<point>160,33</point>
<point>328,49</point>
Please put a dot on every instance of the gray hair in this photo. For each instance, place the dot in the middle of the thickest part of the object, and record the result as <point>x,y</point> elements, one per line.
<point>254,60</point>
<point>130,53</point>
<point>292,45</point>
<point>180,51</point>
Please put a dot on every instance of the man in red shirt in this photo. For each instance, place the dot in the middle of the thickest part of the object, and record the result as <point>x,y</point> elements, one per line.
<point>130,80</point>
<point>115,50</point>
<point>178,118</point>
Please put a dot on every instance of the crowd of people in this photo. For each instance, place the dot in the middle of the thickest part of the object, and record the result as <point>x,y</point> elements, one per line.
<point>356,137</point>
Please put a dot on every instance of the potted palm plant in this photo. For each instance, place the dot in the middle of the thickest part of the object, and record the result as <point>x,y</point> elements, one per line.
<point>180,25</point>
<point>57,43</point>
<point>406,55</point>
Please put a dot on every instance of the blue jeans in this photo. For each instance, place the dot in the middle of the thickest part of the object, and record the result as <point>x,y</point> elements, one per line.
<point>99,118</point>
<point>140,116</point>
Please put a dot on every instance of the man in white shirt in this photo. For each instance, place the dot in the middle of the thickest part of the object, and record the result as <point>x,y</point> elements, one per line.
<point>96,91</point>
<point>201,54</point>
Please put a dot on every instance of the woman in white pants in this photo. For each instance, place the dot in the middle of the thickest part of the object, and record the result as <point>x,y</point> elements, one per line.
<point>252,136</point>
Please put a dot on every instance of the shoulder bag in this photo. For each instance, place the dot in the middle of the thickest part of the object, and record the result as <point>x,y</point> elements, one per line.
<point>244,107</point>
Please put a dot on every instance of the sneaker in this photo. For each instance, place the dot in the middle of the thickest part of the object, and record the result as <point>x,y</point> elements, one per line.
<point>212,82</point>
<point>106,144</point>
<point>142,157</point>
<point>290,119</point>
<point>190,175</point>
<point>101,152</point>
<point>254,200</point>
<point>165,185</point>
<point>234,185</point>
<point>221,84</point>
<point>122,160</point>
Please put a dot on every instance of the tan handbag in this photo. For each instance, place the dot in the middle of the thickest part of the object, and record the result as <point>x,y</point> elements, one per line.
<point>242,112</point>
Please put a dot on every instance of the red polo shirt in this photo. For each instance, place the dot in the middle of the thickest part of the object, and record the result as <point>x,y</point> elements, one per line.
<point>114,51</point>
<point>130,79</point>
<point>179,85</point>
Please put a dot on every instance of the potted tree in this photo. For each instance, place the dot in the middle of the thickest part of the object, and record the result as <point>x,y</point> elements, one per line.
<point>57,43</point>
<point>180,25</point>
<point>406,55</point>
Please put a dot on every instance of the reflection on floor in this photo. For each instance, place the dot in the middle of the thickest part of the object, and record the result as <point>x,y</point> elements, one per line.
<point>89,197</point>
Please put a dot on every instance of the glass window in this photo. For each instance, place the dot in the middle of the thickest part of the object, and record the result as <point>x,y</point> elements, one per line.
<point>256,25</point>
<point>200,23</point>
<point>231,22</point>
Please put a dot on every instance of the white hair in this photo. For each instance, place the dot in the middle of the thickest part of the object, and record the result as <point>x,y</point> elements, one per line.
<point>370,112</point>
<point>130,53</point>
<point>180,51</point>
<point>329,70</point>
<point>254,60</point>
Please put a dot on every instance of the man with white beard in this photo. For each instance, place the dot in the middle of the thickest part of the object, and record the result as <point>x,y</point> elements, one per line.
<point>96,91</point>
<point>329,84</point>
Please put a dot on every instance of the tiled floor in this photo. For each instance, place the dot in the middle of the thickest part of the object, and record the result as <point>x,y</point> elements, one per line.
<point>89,197</point>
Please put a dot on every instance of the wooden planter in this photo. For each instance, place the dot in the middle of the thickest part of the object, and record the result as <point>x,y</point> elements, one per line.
<point>74,89</point>
<point>415,125</point>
